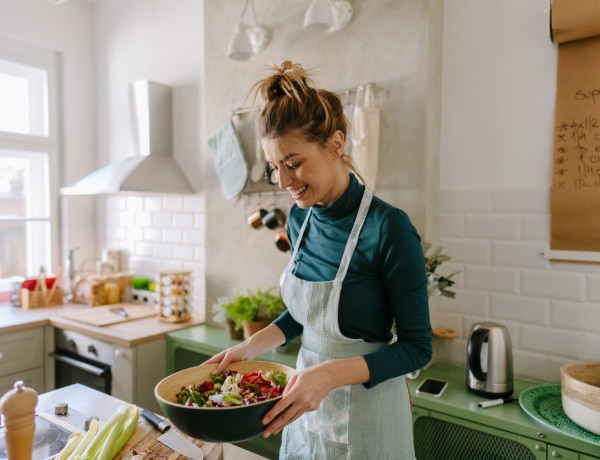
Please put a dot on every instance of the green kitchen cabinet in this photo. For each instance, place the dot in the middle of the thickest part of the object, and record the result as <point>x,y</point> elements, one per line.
<point>454,427</point>
<point>191,346</point>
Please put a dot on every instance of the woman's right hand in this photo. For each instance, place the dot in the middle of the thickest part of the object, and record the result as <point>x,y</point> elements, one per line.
<point>259,343</point>
<point>240,352</point>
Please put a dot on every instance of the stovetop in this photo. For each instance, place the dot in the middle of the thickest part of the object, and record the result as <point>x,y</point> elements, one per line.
<point>49,440</point>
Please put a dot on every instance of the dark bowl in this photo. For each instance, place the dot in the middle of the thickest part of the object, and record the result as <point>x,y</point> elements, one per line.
<point>215,424</point>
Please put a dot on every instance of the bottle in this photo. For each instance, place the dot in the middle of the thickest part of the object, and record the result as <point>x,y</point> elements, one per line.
<point>17,407</point>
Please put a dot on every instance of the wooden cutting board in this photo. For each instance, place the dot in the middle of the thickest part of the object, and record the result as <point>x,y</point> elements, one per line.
<point>103,316</point>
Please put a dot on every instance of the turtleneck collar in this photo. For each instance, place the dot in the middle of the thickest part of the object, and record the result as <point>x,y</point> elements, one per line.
<point>345,204</point>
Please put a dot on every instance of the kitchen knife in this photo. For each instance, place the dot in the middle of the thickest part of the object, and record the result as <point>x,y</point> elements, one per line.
<point>171,438</point>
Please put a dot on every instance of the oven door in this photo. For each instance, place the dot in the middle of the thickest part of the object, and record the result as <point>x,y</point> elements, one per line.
<point>73,368</point>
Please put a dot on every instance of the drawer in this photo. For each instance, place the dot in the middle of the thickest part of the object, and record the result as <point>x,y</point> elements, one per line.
<point>21,350</point>
<point>33,378</point>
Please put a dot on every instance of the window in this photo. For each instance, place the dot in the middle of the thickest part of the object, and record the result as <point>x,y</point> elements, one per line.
<point>28,162</point>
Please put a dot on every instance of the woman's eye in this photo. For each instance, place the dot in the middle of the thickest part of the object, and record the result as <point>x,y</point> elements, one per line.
<point>293,166</point>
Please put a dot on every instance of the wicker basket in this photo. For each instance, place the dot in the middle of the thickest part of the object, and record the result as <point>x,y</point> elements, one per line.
<point>40,299</point>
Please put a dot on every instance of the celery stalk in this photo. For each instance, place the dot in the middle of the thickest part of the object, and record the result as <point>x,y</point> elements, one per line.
<point>133,415</point>
<point>72,443</point>
<point>91,451</point>
<point>104,453</point>
<point>92,430</point>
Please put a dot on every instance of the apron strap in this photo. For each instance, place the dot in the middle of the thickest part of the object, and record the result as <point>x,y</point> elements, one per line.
<point>353,238</point>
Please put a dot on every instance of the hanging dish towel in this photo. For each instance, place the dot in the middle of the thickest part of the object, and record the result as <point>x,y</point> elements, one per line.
<point>365,136</point>
<point>230,161</point>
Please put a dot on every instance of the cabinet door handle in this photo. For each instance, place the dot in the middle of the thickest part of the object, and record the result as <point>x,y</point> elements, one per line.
<point>539,448</point>
<point>1,356</point>
<point>555,454</point>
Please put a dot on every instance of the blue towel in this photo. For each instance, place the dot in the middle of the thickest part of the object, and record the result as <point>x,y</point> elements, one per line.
<point>230,161</point>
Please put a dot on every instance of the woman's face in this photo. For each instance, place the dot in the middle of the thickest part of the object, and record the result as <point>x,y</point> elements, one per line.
<point>314,176</point>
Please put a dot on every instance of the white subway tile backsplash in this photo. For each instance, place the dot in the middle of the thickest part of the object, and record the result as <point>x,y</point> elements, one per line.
<point>469,302</point>
<point>591,347</point>
<point>535,228</point>
<point>153,203</point>
<point>182,252</point>
<point>172,235</point>
<point>465,199</point>
<point>134,234</point>
<point>495,236</point>
<point>125,219</point>
<point>492,279</point>
<point>522,200</point>
<point>162,250</point>
<point>183,220</point>
<point>452,225</point>
<point>531,366</point>
<point>466,250</point>
<point>153,234</point>
<point>172,203</point>
<point>142,219</point>
<point>143,249</point>
<point>555,285</point>
<point>134,203</point>
<point>504,227</point>
<point>568,344</point>
<point>193,237</point>
<point>593,288</point>
<point>518,254</point>
<point>574,316</point>
<point>162,219</point>
<point>520,309</point>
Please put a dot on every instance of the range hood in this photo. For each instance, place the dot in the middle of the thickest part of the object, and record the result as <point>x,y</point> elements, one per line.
<point>154,168</point>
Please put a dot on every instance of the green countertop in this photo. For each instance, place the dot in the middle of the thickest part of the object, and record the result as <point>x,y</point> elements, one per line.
<point>458,401</point>
<point>214,340</point>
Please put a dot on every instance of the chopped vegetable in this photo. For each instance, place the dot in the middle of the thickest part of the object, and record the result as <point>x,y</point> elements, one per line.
<point>230,388</point>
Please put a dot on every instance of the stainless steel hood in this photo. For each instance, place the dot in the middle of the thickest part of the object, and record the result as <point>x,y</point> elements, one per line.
<point>153,169</point>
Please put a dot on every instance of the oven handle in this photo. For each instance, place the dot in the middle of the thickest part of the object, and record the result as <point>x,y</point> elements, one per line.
<point>89,368</point>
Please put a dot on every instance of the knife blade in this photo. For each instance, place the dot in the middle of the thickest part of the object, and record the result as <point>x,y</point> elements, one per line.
<point>172,438</point>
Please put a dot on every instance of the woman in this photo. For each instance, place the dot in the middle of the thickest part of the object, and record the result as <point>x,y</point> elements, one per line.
<point>356,268</point>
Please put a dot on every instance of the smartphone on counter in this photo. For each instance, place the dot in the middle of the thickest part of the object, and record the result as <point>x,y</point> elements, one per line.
<point>432,387</point>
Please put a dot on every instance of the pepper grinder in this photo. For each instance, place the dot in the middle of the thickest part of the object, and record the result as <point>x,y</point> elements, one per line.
<point>17,407</point>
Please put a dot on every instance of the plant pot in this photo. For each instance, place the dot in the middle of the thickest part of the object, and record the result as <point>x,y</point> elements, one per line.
<point>253,327</point>
<point>232,333</point>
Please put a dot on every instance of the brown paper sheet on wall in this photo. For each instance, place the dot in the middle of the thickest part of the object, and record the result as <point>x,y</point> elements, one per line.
<point>575,195</point>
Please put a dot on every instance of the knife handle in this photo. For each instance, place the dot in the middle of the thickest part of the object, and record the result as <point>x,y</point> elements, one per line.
<point>155,421</point>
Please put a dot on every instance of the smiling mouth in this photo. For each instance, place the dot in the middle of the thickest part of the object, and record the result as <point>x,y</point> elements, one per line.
<point>297,192</point>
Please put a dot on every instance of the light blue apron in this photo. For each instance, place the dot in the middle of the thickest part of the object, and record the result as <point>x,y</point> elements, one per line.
<point>352,422</point>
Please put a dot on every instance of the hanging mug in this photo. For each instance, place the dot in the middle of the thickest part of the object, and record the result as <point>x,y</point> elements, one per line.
<point>255,220</point>
<point>282,242</point>
<point>274,218</point>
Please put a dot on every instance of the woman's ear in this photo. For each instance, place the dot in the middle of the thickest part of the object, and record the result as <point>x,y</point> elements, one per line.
<point>337,143</point>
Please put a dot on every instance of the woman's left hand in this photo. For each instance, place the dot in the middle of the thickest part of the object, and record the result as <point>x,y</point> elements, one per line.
<point>307,388</point>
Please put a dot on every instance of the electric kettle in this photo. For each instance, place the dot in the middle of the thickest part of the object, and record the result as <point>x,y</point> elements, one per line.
<point>489,360</point>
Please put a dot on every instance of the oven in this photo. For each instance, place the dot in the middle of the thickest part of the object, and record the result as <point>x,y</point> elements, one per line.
<point>79,358</point>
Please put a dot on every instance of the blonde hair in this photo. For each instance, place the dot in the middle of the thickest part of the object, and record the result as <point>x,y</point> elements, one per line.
<point>294,104</point>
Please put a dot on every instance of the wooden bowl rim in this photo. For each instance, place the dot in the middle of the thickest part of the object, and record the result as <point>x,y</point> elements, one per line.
<point>253,365</point>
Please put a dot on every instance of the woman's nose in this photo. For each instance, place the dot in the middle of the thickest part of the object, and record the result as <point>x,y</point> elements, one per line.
<point>284,178</point>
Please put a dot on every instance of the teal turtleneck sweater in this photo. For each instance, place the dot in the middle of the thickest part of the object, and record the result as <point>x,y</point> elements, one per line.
<point>386,279</point>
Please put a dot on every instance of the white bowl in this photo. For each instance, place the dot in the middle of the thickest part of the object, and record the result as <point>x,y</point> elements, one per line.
<point>580,391</point>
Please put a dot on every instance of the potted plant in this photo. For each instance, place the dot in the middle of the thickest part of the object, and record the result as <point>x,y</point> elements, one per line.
<point>252,311</point>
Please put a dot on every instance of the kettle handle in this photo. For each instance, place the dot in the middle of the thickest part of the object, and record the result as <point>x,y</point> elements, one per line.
<point>474,352</point>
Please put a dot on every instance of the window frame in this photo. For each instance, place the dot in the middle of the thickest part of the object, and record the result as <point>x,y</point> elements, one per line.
<point>48,60</point>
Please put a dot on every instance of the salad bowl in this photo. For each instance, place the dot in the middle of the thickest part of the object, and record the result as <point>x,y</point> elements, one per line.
<point>216,424</point>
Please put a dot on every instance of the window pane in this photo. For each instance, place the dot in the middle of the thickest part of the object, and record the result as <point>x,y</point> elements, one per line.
<point>23,99</point>
<point>24,248</point>
<point>24,185</point>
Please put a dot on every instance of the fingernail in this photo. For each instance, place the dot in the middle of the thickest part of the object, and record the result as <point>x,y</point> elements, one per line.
<point>266,434</point>
<point>265,421</point>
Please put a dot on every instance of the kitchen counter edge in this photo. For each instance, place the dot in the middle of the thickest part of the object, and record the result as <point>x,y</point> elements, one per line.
<point>127,334</point>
